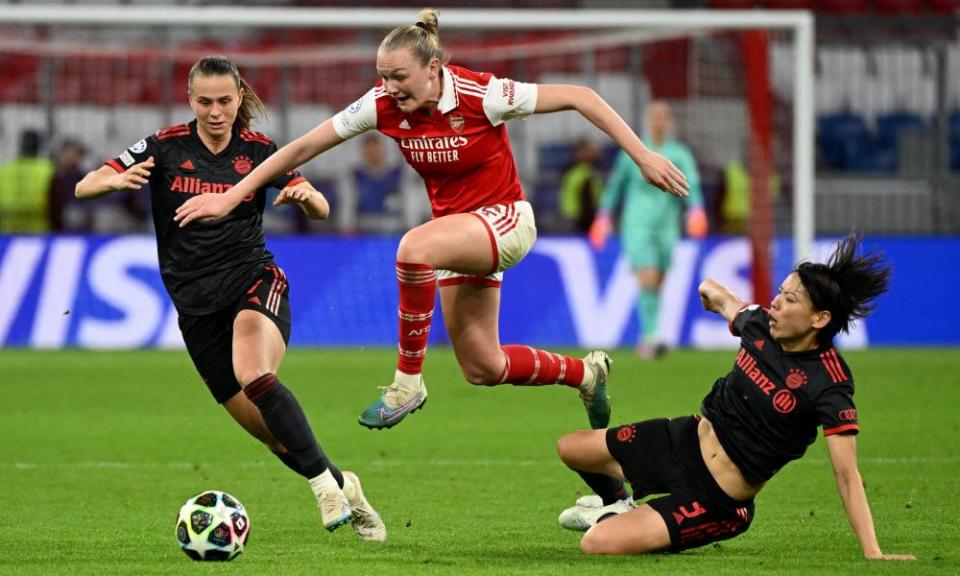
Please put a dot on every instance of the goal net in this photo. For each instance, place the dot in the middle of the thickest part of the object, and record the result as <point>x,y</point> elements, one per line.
<point>740,85</point>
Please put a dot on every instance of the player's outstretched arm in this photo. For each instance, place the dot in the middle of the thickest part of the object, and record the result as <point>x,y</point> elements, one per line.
<point>212,207</point>
<point>655,168</point>
<point>313,203</point>
<point>105,179</point>
<point>716,297</point>
<point>843,455</point>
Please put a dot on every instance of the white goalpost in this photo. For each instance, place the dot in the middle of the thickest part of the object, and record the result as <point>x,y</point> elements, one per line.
<point>599,29</point>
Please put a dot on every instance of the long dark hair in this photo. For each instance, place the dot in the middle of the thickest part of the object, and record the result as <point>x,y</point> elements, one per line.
<point>251,107</point>
<point>846,286</point>
<point>422,38</point>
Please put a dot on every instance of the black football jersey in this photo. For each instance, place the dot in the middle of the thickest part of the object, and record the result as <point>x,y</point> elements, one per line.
<point>205,267</point>
<point>767,409</point>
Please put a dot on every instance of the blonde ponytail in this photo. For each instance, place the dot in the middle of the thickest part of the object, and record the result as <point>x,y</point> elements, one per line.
<point>422,38</point>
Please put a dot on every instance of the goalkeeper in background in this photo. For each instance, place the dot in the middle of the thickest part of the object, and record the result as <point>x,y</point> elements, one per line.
<point>650,221</point>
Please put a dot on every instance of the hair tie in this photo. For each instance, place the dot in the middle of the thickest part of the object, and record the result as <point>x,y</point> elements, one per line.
<point>422,26</point>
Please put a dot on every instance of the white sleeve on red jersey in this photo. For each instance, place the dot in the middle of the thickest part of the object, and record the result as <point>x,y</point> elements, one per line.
<point>358,117</point>
<point>506,100</point>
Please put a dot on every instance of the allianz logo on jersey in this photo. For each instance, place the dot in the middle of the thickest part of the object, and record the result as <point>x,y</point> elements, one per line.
<point>193,185</point>
<point>748,364</point>
<point>441,143</point>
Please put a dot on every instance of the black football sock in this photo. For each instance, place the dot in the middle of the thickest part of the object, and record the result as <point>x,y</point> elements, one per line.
<point>288,424</point>
<point>291,463</point>
<point>606,487</point>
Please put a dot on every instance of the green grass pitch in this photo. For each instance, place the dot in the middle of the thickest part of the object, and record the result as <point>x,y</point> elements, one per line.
<point>99,449</point>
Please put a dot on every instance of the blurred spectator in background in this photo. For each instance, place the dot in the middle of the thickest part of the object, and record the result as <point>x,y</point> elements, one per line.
<point>735,197</point>
<point>650,221</point>
<point>370,199</point>
<point>67,214</point>
<point>25,188</point>
<point>581,186</point>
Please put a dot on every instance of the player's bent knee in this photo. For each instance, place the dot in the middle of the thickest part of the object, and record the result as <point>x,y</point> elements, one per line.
<point>594,543</point>
<point>413,248</point>
<point>480,376</point>
<point>246,375</point>
<point>565,448</point>
<point>600,541</point>
<point>574,448</point>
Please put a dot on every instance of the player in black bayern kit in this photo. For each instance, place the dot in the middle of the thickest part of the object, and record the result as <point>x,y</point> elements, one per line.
<point>787,380</point>
<point>230,295</point>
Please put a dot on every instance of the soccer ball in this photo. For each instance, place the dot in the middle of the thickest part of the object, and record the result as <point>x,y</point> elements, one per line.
<point>212,526</point>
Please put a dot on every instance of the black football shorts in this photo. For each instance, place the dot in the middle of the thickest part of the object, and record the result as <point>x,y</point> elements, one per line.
<point>209,337</point>
<point>662,457</point>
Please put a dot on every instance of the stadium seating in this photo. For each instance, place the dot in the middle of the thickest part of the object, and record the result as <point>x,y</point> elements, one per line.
<point>892,125</point>
<point>954,139</point>
<point>844,6</point>
<point>733,4</point>
<point>846,142</point>
<point>903,7</point>
<point>791,4</point>
<point>873,81</point>
<point>872,158</point>
<point>552,159</point>
<point>944,6</point>
<point>842,71</point>
<point>842,136</point>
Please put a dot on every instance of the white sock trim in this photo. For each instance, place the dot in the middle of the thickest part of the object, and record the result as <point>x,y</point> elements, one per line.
<point>323,483</point>
<point>409,380</point>
<point>587,374</point>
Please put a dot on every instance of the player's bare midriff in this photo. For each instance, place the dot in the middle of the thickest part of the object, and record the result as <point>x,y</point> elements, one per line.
<point>724,471</point>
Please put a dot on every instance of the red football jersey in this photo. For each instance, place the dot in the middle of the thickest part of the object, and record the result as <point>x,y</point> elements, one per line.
<point>462,150</point>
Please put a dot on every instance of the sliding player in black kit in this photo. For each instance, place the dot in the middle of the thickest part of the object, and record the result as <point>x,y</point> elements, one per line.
<point>787,380</point>
<point>231,297</point>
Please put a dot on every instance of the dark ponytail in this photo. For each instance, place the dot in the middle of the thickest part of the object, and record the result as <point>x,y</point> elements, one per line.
<point>846,286</point>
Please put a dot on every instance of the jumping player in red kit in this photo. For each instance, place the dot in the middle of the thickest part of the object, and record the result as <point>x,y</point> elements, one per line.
<point>699,474</point>
<point>232,299</point>
<point>449,124</point>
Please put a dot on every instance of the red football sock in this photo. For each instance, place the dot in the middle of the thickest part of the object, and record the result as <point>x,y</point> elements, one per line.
<point>528,366</point>
<point>418,290</point>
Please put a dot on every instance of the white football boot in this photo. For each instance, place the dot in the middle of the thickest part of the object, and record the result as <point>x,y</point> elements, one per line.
<point>366,522</point>
<point>332,502</point>
<point>589,510</point>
